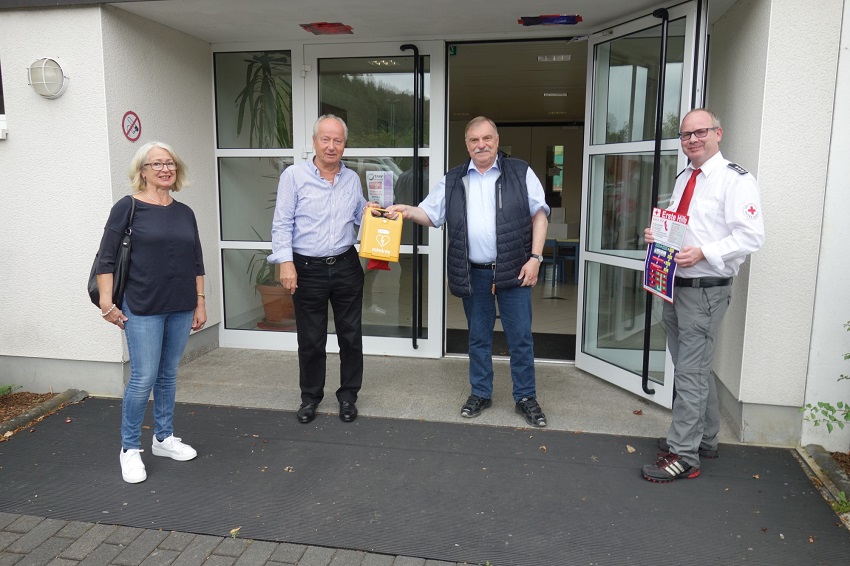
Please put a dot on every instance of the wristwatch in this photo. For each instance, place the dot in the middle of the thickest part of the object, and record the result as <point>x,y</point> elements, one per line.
<point>538,257</point>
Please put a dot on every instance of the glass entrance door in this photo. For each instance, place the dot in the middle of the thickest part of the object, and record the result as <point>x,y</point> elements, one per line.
<point>371,87</point>
<point>624,71</point>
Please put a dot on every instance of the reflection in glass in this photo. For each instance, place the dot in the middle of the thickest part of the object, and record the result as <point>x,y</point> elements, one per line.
<point>252,301</point>
<point>248,191</point>
<point>615,303</point>
<point>388,299</point>
<point>253,99</point>
<point>375,98</point>
<point>620,195</point>
<point>627,75</point>
<point>253,297</point>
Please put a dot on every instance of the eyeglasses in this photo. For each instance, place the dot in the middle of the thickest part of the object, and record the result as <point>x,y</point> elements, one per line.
<point>701,133</point>
<point>158,165</point>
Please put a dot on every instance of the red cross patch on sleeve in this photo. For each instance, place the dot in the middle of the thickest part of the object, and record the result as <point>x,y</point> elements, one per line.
<point>751,210</point>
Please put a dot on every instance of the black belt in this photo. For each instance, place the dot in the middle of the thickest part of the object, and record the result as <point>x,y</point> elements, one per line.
<point>330,260</point>
<point>483,265</point>
<point>701,282</point>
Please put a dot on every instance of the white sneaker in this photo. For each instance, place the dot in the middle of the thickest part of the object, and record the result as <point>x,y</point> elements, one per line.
<point>132,467</point>
<point>173,448</point>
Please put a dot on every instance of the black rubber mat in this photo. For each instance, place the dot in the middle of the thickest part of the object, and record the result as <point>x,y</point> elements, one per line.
<point>454,492</point>
<point>546,346</point>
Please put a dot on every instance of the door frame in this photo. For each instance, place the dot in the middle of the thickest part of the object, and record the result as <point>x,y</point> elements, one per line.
<point>692,95</point>
<point>432,346</point>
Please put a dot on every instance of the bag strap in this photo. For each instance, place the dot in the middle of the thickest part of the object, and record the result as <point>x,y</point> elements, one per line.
<point>129,229</point>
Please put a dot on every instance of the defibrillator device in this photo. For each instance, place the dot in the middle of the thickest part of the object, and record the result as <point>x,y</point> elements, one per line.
<point>381,237</point>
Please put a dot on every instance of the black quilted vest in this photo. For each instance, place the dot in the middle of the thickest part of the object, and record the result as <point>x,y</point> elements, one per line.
<point>513,226</point>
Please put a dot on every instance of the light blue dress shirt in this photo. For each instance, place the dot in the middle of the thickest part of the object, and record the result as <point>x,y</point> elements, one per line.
<point>313,217</point>
<point>481,208</point>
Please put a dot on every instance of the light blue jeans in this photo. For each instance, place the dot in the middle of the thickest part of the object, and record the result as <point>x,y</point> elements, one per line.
<point>515,313</point>
<point>155,344</point>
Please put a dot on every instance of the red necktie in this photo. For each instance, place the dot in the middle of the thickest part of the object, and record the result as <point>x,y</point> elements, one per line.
<point>688,194</point>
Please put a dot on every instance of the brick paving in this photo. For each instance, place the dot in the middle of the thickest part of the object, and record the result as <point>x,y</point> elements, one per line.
<point>26,540</point>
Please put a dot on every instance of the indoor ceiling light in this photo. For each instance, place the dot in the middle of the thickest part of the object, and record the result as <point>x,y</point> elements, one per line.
<point>383,62</point>
<point>553,58</point>
<point>47,78</point>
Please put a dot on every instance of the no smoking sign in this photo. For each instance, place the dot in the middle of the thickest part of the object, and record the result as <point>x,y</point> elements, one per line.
<point>131,125</point>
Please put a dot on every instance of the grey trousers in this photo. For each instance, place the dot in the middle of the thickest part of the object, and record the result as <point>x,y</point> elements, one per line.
<point>691,323</point>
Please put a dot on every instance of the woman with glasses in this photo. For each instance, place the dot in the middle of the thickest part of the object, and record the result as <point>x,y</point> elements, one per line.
<point>163,299</point>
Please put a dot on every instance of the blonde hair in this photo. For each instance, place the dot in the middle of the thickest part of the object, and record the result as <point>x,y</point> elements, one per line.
<point>141,157</point>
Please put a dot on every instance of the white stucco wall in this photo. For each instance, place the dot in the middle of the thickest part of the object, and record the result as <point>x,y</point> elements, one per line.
<point>55,185</point>
<point>65,163</point>
<point>778,116</point>
<point>165,77</point>
<point>830,341</point>
<point>735,94</point>
<point>799,93</point>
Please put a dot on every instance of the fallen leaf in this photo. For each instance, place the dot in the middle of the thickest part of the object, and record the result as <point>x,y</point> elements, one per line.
<point>543,449</point>
<point>146,427</point>
<point>235,532</point>
<point>68,420</point>
<point>289,469</point>
<point>756,477</point>
<point>630,448</point>
<point>811,539</point>
<point>256,435</point>
<point>639,412</point>
<point>7,434</point>
<point>32,430</point>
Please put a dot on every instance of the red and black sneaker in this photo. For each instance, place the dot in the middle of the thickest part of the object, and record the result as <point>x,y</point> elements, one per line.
<point>668,468</point>
<point>703,452</point>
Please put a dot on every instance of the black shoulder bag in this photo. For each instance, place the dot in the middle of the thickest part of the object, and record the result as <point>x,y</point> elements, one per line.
<point>122,266</point>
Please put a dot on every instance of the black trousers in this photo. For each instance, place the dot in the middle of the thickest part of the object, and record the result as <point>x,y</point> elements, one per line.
<point>341,284</point>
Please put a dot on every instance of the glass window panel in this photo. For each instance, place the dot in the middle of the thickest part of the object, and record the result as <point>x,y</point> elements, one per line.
<point>627,74</point>
<point>615,303</point>
<point>620,195</point>
<point>388,299</point>
<point>251,304</point>
<point>248,191</point>
<point>374,95</point>
<point>253,99</point>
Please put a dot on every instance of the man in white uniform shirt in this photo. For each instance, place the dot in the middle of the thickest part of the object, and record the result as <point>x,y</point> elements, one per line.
<point>725,225</point>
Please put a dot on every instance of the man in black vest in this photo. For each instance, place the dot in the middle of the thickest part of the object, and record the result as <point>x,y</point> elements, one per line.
<point>495,211</point>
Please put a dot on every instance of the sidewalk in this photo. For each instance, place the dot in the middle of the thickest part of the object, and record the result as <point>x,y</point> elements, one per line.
<point>33,541</point>
<point>398,388</point>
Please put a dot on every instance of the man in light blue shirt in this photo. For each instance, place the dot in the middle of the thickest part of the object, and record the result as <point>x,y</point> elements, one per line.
<point>495,212</point>
<point>319,206</point>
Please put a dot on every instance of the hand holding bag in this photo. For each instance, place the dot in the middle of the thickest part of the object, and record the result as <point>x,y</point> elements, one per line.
<point>122,265</point>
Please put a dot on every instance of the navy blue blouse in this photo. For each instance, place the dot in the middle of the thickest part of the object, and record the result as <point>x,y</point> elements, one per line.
<point>165,256</point>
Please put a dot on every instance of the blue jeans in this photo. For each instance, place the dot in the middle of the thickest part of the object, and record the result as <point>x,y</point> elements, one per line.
<point>515,313</point>
<point>155,344</point>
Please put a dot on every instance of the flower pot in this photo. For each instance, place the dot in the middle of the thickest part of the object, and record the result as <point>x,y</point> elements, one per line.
<point>277,304</point>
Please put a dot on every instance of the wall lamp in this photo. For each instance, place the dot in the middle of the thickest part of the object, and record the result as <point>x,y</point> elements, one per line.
<point>47,78</point>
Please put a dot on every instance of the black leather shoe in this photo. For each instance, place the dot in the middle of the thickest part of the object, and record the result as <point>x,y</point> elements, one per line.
<point>307,413</point>
<point>347,412</point>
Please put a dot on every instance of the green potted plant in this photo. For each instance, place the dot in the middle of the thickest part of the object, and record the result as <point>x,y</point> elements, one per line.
<point>266,99</point>
<point>277,301</point>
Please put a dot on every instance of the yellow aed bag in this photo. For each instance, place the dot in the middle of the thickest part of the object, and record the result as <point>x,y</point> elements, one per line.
<point>381,236</point>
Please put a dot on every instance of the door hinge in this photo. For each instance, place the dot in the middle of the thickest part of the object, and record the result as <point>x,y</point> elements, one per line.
<point>305,69</point>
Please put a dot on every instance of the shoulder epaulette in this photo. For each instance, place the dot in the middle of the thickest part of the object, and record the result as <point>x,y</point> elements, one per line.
<point>737,168</point>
